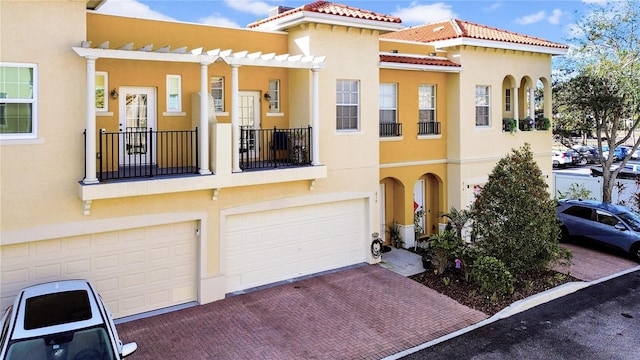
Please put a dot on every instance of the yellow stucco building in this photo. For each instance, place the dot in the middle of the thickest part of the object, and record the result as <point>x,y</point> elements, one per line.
<point>173,163</point>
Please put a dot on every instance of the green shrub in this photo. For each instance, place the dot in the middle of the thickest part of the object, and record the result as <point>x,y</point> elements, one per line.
<point>492,276</point>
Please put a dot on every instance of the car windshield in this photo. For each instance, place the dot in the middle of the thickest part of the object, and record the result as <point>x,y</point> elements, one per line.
<point>632,219</point>
<point>82,344</point>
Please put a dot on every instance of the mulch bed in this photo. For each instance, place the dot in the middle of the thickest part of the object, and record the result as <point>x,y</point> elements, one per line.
<point>469,294</point>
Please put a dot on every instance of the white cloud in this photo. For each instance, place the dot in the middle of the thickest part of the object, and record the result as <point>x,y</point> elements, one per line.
<point>531,19</point>
<point>131,8</point>
<point>598,2</point>
<point>424,14</point>
<point>555,17</point>
<point>254,7</point>
<point>218,20</point>
<point>492,7</point>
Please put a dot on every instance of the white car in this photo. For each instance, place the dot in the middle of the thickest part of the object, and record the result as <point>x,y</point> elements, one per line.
<point>64,320</point>
<point>560,158</point>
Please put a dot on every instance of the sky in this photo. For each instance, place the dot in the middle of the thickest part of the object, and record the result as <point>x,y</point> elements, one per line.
<point>550,20</point>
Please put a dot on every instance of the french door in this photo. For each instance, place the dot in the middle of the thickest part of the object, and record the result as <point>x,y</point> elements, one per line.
<point>137,107</point>
<point>249,120</point>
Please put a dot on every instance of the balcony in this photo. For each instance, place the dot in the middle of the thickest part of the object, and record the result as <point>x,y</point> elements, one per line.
<point>428,128</point>
<point>274,148</point>
<point>146,153</point>
<point>390,129</point>
<point>140,163</point>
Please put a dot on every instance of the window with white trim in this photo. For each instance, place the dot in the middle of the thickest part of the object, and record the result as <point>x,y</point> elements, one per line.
<point>426,103</point>
<point>102,86</point>
<point>483,100</point>
<point>274,95</point>
<point>347,104</point>
<point>388,103</point>
<point>18,101</point>
<point>174,93</point>
<point>507,100</point>
<point>217,93</point>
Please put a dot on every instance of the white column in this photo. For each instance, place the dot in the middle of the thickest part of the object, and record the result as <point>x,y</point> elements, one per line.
<point>235,122</point>
<point>516,114</point>
<point>532,103</point>
<point>315,118</point>
<point>90,127</point>
<point>203,133</point>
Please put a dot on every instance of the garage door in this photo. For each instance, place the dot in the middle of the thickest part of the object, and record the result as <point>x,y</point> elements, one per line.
<point>270,246</point>
<point>134,270</point>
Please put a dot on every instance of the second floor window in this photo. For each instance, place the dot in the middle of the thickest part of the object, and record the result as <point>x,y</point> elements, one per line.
<point>18,101</point>
<point>507,100</point>
<point>174,93</point>
<point>427,103</point>
<point>483,99</point>
<point>388,103</point>
<point>217,92</point>
<point>274,96</point>
<point>347,104</point>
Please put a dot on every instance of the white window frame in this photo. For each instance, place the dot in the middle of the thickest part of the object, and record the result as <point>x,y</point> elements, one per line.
<point>507,100</point>
<point>483,101</point>
<point>426,103</point>
<point>388,102</point>
<point>33,101</point>
<point>178,93</point>
<point>274,96</point>
<point>217,93</point>
<point>347,97</point>
<point>105,91</point>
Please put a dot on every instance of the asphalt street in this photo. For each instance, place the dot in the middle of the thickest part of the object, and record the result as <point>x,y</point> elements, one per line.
<point>599,322</point>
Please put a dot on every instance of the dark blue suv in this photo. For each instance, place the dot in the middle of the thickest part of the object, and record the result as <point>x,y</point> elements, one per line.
<point>612,225</point>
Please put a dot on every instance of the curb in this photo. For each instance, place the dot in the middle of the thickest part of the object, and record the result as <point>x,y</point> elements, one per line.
<point>516,307</point>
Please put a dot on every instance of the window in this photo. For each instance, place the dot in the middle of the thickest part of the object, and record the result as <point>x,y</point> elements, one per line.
<point>388,103</point>
<point>347,104</point>
<point>427,103</point>
<point>18,101</point>
<point>507,100</point>
<point>483,98</point>
<point>274,96</point>
<point>174,93</point>
<point>102,86</point>
<point>217,92</point>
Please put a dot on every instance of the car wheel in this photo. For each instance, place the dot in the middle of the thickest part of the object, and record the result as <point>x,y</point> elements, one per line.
<point>556,163</point>
<point>583,161</point>
<point>635,252</point>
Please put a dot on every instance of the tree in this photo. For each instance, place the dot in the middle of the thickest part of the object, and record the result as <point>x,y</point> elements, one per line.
<point>514,216</point>
<point>605,86</point>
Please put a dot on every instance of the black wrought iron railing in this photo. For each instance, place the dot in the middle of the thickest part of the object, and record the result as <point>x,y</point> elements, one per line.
<point>142,153</point>
<point>428,128</point>
<point>390,129</point>
<point>274,147</point>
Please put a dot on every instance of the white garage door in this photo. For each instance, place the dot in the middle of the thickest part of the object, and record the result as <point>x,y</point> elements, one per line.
<point>134,270</point>
<point>270,246</point>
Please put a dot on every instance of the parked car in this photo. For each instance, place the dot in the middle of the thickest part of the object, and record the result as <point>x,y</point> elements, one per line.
<point>613,225</point>
<point>588,153</point>
<point>576,158</point>
<point>560,158</point>
<point>60,320</point>
<point>621,152</point>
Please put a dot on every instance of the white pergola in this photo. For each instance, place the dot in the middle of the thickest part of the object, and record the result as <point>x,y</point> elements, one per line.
<point>204,59</point>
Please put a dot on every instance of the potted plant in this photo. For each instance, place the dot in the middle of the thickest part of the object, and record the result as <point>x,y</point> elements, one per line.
<point>394,235</point>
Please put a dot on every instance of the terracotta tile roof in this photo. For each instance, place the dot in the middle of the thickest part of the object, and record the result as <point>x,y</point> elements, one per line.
<point>415,60</point>
<point>452,29</point>
<point>326,7</point>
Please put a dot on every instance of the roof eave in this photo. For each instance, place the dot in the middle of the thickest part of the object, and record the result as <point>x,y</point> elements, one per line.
<point>499,45</point>
<point>415,67</point>
<point>301,17</point>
